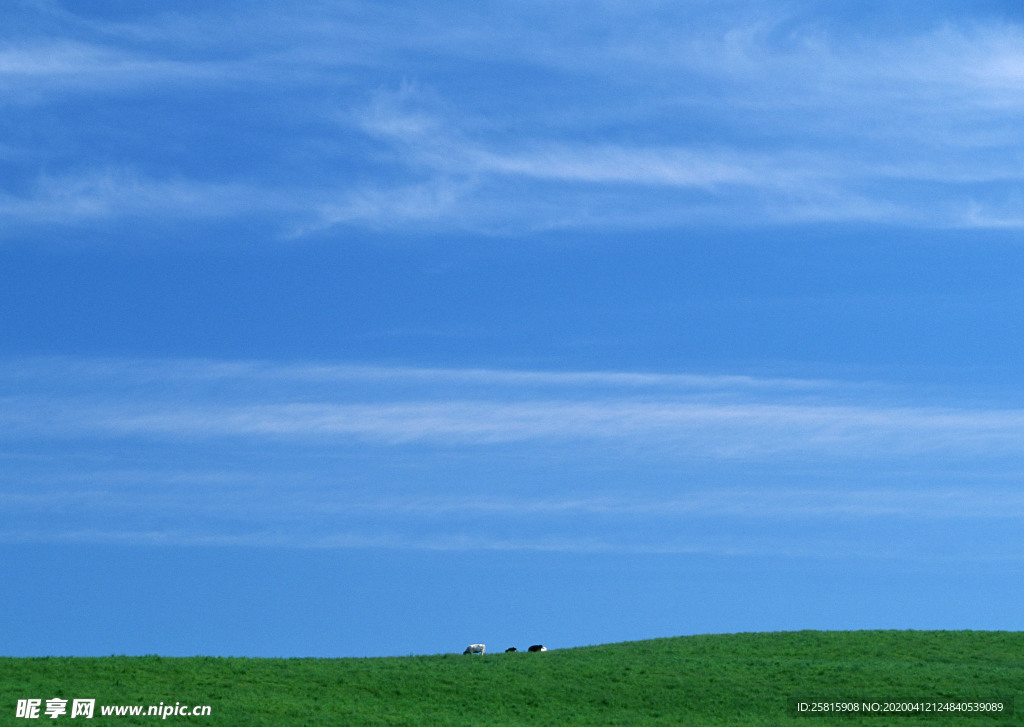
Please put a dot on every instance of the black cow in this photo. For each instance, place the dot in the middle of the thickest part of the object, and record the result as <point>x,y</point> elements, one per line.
<point>511,649</point>
<point>538,647</point>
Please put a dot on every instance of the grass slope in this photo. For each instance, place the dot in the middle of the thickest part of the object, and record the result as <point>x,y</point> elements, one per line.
<point>741,679</point>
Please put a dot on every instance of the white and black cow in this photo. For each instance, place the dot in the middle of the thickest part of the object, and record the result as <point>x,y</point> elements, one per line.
<point>511,650</point>
<point>475,649</point>
<point>538,647</point>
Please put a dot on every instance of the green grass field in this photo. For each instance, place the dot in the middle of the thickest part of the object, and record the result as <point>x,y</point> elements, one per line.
<point>741,679</point>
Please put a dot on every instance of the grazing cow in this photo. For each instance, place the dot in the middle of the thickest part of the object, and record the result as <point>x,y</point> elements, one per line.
<point>511,650</point>
<point>475,649</point>
<point>538,647</point>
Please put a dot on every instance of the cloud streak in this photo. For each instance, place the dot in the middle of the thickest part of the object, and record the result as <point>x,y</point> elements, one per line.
<point>125,194</point>
<point>856,124</point>
<point>310,455</point>
<point>745,114</point>
<point>730,417</point>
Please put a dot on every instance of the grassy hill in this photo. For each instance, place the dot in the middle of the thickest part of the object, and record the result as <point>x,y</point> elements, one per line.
<point>741,679</point>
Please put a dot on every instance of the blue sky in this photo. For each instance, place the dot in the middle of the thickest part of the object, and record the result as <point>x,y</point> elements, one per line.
<point>352,328</point>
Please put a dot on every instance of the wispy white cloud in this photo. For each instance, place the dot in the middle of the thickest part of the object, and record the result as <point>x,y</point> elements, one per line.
<point>380,207</point>
<point>1007,214</point>
<point>118,193</point>
<point>94,372</point>
<point>37,72</point>
<point>770,504</point>
<point>248,496</point>
<point>834,549</point>
<point>813,120</point>
<point>308,455</point>
<point>718,430</point>
<point>855,123</point>
<point>444,543</point>
<point>687,416</point>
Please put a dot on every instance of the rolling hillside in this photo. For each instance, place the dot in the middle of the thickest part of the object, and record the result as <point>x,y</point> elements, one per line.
<point>741,679</point>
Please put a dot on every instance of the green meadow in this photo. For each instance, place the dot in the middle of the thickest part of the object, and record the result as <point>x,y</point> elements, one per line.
<point>739,679</point>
